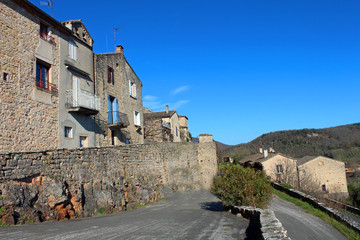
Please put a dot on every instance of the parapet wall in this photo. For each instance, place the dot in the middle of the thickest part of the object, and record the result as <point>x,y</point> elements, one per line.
<point>66,183</point>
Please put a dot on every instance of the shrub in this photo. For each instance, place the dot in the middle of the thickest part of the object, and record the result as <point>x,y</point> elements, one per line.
<point>236,185</point>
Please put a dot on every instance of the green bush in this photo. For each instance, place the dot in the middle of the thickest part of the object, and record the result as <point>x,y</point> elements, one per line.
<point>354,194</point>
<point>236,185</point>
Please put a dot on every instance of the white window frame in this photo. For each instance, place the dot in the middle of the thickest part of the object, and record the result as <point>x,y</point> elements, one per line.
<point>279,169</point>
<point>72,50</point>
<point>137,118</point>
<point>132,89</point>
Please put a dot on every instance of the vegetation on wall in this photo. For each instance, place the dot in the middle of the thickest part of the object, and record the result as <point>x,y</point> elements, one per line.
<point>236,185</point>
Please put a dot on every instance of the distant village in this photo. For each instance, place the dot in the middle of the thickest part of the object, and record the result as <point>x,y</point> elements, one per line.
<point>57,93</point>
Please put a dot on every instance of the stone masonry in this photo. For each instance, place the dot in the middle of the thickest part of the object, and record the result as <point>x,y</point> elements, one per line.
<point>66,183</point>
<point>28,115</point>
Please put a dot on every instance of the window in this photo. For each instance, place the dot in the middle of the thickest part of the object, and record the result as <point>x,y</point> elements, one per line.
<point>136,118</point>
<point>132,89</point>
<point>43,30</point>
<point>113,110</point>
<point>279,169</point>
<point>72,50</point>
<point>6,77</point>
<point>84,141</point>
<point>68,132</point>
<point>42,75</point>
<point>176,131</point>
<point>323,187</point>
<point>111,75</point>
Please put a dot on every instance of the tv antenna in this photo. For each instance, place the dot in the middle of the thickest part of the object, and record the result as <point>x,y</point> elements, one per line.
<point>115,29</point>
<point>49,3</point>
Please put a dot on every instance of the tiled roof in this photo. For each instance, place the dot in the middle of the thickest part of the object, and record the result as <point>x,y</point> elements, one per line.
<point>306,159</point>
<point>159,114</point>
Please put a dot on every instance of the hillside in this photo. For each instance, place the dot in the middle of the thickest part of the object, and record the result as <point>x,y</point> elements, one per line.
<point>342,142</point>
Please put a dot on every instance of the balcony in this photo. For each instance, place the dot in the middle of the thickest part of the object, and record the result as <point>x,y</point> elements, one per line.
<point>82,102</point>
<point>117,120</point>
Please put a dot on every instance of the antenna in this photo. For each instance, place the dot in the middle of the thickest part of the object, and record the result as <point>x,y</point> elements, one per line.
<point>115,29</point>
<point>49,3</point>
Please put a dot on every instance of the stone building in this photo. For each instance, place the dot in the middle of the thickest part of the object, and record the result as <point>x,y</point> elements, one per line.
<point>184,128</point>
<point>162,126</point>
<point>77,101</point>
<point>120,120</point>
<point>324,175</point>
<point>30,72</point>
<point>278,167</point>
<point>47,87</point>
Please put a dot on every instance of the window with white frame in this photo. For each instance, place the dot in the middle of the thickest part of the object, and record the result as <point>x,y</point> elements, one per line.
<point>72,50</point>
<point>136,118</point>
<point>132,89</point>
<point>279,169</point>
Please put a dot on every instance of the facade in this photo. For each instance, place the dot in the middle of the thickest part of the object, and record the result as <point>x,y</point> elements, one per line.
<point>184,129</point>
<point>324,175</point>
<point>77,101</point>
<point>30,71</point>
<point>278,167</point>
<point>162,126</point>
<point>120,120</point>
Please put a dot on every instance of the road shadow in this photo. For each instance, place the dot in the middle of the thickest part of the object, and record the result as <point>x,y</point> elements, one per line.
<point>213,206</point>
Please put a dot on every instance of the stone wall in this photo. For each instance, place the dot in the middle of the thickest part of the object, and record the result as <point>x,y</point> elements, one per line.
<point>64,183</point>
<point>28,114</point>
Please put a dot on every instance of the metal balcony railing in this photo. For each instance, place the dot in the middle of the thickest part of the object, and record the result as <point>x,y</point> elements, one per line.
<point>82,99</point>
<point>118,118</point>
<point>45,84</point>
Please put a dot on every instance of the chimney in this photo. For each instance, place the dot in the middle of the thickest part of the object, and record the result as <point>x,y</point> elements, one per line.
<point>265,153</point>
<point>167,108</point>
<point>119,49</point>
<point>260,150</point>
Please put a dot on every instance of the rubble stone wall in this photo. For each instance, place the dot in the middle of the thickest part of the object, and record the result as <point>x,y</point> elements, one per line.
<point>67,183</point>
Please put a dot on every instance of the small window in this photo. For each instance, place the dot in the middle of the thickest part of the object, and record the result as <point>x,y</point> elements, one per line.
<point>68,132</point>
<point>137,118</point>
<point>177,131</point>
<point>132,89</point>
<point>42,75</point>
<point>84,141</point>
<point>111,78</point>
<point>323,187</point>
<point>279,169</point>
<point>127,141</point>
<point>6,77</point>
<point>72,50</point>
<point>43,30</point>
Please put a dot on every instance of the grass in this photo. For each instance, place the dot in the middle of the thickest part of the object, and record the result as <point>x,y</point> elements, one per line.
<point>346,231</point>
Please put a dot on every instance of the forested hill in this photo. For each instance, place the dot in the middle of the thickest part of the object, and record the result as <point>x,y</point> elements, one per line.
<point>332,142</point>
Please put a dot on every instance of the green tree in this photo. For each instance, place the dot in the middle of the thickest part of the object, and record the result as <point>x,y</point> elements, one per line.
<point>236,185</point>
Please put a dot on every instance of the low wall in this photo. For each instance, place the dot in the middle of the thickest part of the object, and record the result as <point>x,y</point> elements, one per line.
<point>263,223</point>
<point>66,183</point>
<point>319,205</point>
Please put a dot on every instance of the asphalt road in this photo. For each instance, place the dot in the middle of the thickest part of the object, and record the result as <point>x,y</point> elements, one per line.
<point>195,215</point>
<point>301,225</point>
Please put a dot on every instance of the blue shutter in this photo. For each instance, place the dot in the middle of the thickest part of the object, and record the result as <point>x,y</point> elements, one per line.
<point>109,110</point>
<point>116,111</point>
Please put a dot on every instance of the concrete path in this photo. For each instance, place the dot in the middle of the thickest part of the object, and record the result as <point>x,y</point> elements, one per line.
<point>194,215</point>
<point>301,225</point>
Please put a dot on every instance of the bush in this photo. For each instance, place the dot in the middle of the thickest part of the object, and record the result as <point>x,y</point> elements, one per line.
<point>236,185</point>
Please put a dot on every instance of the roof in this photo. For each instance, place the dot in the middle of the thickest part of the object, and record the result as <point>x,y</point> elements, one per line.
<point>183,116</point>
<point>259,157</point>
<point>159,114</point>
<point>307,159</point>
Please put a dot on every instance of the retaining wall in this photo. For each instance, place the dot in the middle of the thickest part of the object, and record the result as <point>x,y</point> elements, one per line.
<point>66,183</point>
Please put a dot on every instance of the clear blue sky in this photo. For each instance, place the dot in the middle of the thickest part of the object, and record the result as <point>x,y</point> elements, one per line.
<point>236,68</point>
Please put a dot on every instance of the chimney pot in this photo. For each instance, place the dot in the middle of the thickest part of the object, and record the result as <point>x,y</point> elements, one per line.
<point>265,153</point>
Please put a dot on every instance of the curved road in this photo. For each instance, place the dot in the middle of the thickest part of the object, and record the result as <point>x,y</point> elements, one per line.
<point>194,215</point>
<point>301,225</point>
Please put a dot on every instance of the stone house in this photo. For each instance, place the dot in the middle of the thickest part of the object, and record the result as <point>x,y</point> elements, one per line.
<point>77,101</point>
<point>30,71</point>
<point>120,120</point>
<point>47,87</point>
<point>162,126</point>
<point>184,128</point>
<point>324,175</point>
<point>278,167</point>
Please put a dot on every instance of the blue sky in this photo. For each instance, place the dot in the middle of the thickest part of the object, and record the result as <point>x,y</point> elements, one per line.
<point>236,68</point>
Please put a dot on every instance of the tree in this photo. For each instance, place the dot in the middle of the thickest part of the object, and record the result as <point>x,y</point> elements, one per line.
<point>236,185</point>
